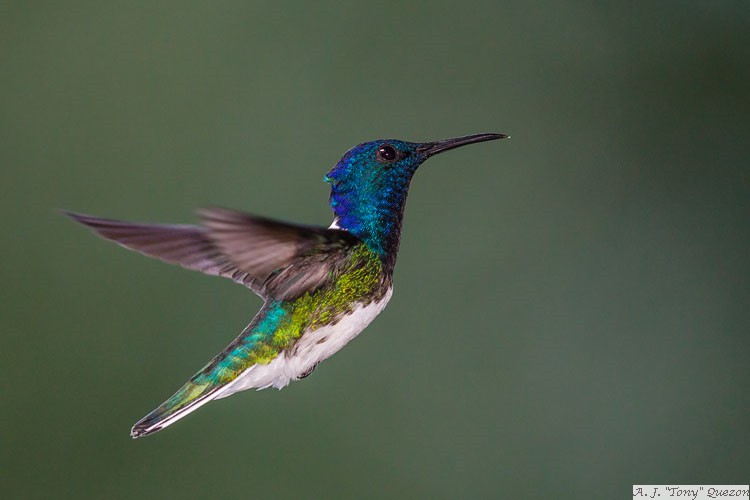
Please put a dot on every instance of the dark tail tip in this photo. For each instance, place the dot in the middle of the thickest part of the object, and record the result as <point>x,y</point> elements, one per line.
<point>140,430</point>
<point>145,426</point>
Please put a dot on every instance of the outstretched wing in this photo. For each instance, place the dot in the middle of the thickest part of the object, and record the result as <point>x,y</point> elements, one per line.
<point>274,259</point>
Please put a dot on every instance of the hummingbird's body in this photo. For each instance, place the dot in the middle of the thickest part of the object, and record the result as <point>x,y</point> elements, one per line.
<point>321,286</point>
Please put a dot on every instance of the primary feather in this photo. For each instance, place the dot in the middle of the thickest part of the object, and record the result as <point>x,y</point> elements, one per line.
<point>274,259</point>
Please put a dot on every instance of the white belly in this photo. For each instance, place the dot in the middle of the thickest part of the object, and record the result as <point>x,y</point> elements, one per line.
<point>313,347</point>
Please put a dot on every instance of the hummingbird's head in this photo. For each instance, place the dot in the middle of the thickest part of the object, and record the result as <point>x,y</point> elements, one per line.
<point>370,183</point>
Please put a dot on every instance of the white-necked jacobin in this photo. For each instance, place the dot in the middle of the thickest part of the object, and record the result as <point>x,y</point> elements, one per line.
<point>321,286</point>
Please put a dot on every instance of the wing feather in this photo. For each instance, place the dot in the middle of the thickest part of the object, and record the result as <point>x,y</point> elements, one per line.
<point>274,259</point>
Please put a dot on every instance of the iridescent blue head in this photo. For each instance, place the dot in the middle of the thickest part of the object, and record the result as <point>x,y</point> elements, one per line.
<point>370,183</point>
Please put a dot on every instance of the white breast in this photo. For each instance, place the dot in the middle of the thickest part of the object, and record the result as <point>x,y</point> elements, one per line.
<point>313,347</point>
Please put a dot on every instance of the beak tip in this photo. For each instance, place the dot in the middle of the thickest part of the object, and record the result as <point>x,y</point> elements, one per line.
<point>432,148</point>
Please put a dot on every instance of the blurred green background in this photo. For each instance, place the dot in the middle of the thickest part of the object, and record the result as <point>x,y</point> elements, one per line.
<point>572,307</point>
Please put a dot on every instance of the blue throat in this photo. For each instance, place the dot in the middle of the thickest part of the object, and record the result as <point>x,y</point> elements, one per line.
<point>368,200</point>
<point>371,214</point>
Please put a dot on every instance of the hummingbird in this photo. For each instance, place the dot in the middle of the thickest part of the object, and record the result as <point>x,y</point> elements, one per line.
<point>320,286</point>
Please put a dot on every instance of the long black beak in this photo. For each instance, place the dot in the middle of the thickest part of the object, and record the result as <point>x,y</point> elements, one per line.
<point>432,148</point>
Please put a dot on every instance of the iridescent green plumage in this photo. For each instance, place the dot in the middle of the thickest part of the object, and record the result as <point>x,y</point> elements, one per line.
<point>321,286</point>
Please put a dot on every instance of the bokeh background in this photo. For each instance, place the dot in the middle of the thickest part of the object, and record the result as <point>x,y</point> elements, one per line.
<point>572,307</point>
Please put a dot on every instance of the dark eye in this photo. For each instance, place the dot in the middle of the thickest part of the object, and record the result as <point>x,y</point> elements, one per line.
<point>387,153</point>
